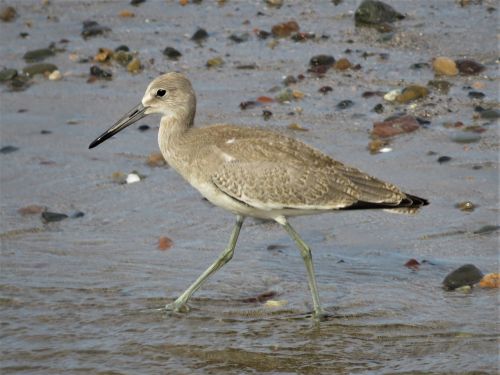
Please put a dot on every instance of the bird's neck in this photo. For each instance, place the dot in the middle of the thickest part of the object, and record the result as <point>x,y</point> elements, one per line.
<point>173,130</point>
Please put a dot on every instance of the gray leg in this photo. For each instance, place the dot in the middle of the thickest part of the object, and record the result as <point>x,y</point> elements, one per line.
<point>180,303</point>
<point>305,251</point>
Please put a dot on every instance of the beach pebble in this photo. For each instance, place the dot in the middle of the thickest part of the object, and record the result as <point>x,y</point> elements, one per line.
<point>395,126</point>
<point>172,53</point>
<point>156,159</point>
<point>377,146</point>
<point>215,62</point>
<point>440,85</point>
<point>55,75</point>
<point>342,64</point>
<point>119,177</point>
<point>322,60</point>
<point>275,303</point>
<point>469,67</point>
<point>443,159</point>
<point>490,280</point>
<point>136,2</point>
<point>99,73</point>
<point>266,114</point>
<point>466,275</point>
<point>392,95</point>
<point>199,35</point>
<point>7,74</point>
<point>38,55</point>
<point>122,57</point>
<point>412,92</point>
<point>126,14</point>
<point>297,127</point>
<point>32,209</point>
<point>239,37</point>
<point>92,28</point>
<point>344,104</point>
<point>489,114</point>
<point>164,243</point>
<point>487,229</point>
<point>7,13</point>
<point>285,29</point>
<point>143,128</point>
<point>134,66</point>
<point>132,178</point>
<point>263,297</point>
<point>465,137</point>
<point>77,215</point>
<point>445,66</point>
<point>8,149</point>
<point>372,12</point>
<point>49,217</point>
<point>412,264</point>
<point>378,108</point>
<point>466,206</point>
<point>40,68</point>
<point>476,95</point>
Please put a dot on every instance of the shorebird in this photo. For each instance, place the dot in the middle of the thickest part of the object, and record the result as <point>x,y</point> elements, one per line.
<point>254,172</point>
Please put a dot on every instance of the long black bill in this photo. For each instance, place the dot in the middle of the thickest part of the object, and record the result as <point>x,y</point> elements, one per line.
<point>134,115</point>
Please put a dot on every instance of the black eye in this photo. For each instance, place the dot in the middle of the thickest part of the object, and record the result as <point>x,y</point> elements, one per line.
<point>161,92</point>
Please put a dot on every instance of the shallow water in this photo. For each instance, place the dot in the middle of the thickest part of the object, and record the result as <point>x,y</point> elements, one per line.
<point>85,295</point>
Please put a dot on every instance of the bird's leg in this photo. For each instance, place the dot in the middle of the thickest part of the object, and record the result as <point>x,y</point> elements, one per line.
<point>305,251</point>
<point>180,303</point>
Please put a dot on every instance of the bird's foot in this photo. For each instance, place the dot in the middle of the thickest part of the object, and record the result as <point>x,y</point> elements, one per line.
<point>320,315</point>
<point>177,307</point>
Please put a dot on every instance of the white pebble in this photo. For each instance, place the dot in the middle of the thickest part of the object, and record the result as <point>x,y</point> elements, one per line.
<point>391,95</point>
<point>132,177</point>
<point>55,75</point>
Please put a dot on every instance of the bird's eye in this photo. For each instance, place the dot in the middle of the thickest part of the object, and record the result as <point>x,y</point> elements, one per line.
<point>161,92</point>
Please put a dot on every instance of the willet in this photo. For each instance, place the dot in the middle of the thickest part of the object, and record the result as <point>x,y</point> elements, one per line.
<point>254,172</point>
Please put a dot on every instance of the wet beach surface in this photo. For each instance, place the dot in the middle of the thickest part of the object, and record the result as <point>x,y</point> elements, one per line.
<point>83,295</point>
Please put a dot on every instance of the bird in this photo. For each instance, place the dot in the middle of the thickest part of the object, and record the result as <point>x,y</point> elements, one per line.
<point>255,172</point>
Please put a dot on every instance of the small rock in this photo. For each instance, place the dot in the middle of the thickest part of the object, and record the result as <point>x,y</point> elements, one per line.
<point>126,14</point>
<point>239,38</point>
<point>486,229</point>
<point>325,89</point>
<point>344,104</point>
<point>136,2</point>
<point>395,126</point>
<point>92,28</point>
<point>143,128</point>
<point>248,104</point>
<point>123,48</point>
<point>440,85</point>
<point>119,177</point>
<point>379,108</point>
<point>172,53</point>
<point>266,114</point>
<point>199,35</point>
<point>164,243</point>
<point>465,206</point>
<point>322,60</point>
<point>465,137</point>
<point>469,67</point>
<point>476,95</point>
<point>132,178</point>
<point>420,65</point>
<point>490,114</point>
<point>55,75</point>
<point>32,209</point>
<point>40,68</point>
<point>490,280</point>
<point>466,275</point>
<point>99,73</point>
<point>275,303</point>
<point>274,3</point>
<point>7,74</point>
<point>49,217</point>
<point>412,92</point>
<point>378,146</point>
<point>392,95</point>
<point>122,57</point>
<point>412,264</point>
<point>156,159</point>
<point>77,215</point>
<point>8,149</point>
<point>289,80</point>
<point>38,55</point>
<point>215,62</point>
<point>342,64</point>
<point>372,12</point>
<point>285,29</point>
<point>445,66</point>
<point>265,99</point>
<point>262,34</point>
<point>134,66</point>
<point>443,159</point>
<point>7,14</point>
<point>103,55</point>
<point>297,127</point>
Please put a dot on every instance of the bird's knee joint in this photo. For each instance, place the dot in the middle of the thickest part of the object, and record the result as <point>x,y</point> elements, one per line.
<point>306,253</point>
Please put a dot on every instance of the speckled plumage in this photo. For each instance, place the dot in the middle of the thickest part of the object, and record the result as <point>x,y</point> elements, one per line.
<point>255,172</point>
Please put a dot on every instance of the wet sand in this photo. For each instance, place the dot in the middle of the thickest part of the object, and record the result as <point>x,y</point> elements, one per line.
<point>80,295</point>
